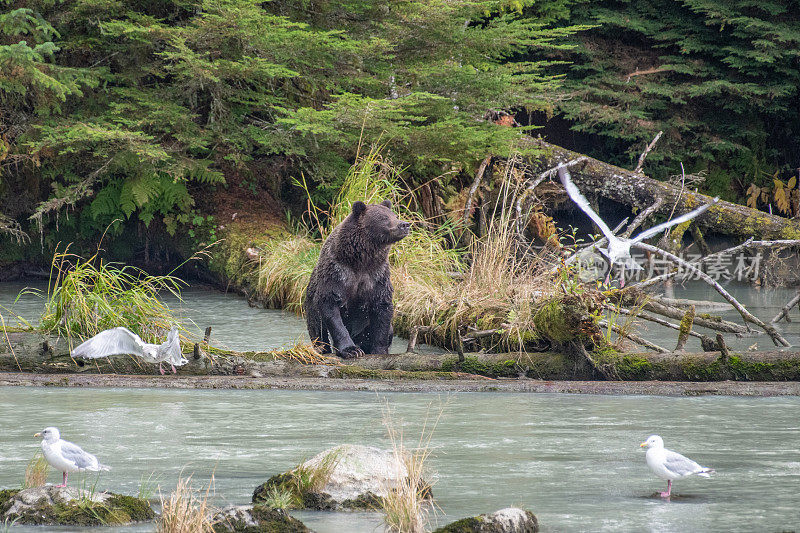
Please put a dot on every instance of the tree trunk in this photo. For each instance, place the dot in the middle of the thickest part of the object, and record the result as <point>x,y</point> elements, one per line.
<point>624,186</point>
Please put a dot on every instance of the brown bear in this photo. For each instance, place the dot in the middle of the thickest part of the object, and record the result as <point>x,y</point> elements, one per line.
<point>348,301</point>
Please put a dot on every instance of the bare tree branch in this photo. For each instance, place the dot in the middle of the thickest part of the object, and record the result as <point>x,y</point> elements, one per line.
<point>632,337</point>
<point>642,157</point>
<point>476,182</point>
<point>785,309</point>
<point>641,217</point>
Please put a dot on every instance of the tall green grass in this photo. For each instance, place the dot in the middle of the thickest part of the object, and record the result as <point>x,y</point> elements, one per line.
<point>87,296</point>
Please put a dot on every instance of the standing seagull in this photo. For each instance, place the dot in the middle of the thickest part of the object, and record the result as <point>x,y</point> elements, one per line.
<point>619,249</point>
<point>118,341</point>
<point>65,456</point>
<point>670,465</point>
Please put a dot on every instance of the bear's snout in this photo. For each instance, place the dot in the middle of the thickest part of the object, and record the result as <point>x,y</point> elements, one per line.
<point>405,227</point>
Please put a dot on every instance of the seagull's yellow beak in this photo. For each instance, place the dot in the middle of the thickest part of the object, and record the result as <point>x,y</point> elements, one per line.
<point>642,445</point>
<point>37,434</point>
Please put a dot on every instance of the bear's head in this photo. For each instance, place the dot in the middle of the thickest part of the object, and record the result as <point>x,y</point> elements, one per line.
<point>380,221</point>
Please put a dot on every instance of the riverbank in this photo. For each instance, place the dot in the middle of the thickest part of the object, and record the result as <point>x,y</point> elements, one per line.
<point>660,388</point>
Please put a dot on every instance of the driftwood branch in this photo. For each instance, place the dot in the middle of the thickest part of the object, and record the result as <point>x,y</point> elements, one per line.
<point>635,338</point>
<point>785,309</point>
<point>685,329</point>
<point>748,244</point>
<point>723,348</point>
<point>642,157</point>
<point>746,315</point>
<point>414,334</point>
<point>725,326</point>
<point>549,173</point>
<point>641,217</point>
<point>657,320</point>
<point>476,182</point>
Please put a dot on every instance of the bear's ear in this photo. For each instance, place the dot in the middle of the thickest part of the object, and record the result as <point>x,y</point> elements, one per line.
<point>359,207</point>
<point>387,203</point>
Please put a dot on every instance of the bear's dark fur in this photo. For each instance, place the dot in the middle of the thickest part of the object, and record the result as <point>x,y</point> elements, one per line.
<point>348,301</point>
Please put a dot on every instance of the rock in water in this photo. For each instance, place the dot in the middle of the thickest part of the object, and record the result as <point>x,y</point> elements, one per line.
<point>348,476</point>
<point>52,505</point>
<point>508,520</point>
<point>256,519</point>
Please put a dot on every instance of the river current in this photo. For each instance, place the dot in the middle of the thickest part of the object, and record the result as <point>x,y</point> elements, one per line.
<point>574,460</point>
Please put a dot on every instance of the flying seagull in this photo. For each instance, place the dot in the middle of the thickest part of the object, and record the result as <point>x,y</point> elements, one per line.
<point>619,249</point>
<point>65,456</point>
<point>117,341</point>
<point>670,465</point>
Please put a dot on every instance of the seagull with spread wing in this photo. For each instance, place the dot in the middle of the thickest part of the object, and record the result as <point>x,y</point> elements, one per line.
<point>65,456</point>
<point>619,249</point>
<point>119,341</point>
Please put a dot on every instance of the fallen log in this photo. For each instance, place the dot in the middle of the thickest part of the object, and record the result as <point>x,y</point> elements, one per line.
<point>38,354</point>
<point>637,190</point>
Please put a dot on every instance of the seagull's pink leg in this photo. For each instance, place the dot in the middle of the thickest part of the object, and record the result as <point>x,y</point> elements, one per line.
<point>174,371</point>
<point>669,489</point>
<point>64,484</point>
<point>160,369</point>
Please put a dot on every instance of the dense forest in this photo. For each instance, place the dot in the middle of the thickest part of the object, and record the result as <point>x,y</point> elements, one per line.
<point>146,116</point>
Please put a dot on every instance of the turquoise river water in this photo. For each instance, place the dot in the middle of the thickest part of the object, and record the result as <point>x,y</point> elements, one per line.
<point>574,460</point>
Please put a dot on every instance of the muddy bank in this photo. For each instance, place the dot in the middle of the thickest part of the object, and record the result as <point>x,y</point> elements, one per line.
<point>664,388</point>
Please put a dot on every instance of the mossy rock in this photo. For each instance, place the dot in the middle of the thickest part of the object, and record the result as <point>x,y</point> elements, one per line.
<point>257,519</point>
<point>509,520</point>
<point>345,477</point>
<point>5,496</point>
<point>52,505</point>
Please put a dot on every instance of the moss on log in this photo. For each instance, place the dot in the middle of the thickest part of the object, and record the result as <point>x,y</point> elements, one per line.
<point>637,190</point>
<point>37,353</point>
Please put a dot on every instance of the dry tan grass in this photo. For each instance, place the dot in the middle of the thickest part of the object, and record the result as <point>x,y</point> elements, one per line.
<point>36,472</point>
<point>303,353</point>
<point>283,271</point>
<point>186,510</point>
<point>502,288</point>
<point>408,504</point>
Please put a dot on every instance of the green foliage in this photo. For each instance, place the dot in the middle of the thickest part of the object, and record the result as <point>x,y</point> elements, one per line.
<point>719,78</point>
<point>128,109</point>
<point>85,297</point>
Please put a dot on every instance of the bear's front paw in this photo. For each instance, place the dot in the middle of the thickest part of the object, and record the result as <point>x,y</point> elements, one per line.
<point>350,352</point>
